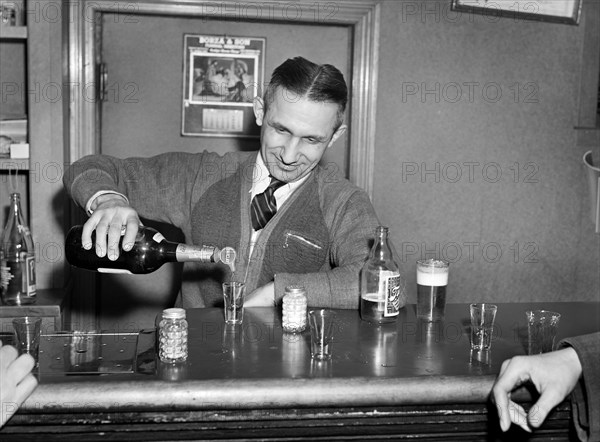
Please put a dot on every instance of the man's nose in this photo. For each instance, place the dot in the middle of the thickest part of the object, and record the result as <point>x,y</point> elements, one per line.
<point>290,150</point>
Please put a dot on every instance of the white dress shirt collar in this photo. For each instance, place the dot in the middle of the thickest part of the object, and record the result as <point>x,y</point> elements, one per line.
<point>262,178</point>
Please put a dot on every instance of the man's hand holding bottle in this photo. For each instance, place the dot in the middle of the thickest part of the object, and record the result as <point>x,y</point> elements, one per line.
<point>111,218</point>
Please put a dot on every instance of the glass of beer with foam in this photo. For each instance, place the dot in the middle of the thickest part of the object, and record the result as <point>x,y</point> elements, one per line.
<point>432,279</point>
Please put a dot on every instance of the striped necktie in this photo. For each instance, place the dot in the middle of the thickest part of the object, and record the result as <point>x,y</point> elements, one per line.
<point>264,206</point>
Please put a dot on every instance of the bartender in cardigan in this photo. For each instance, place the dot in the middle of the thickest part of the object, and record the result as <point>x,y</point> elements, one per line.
<point>290,221</point>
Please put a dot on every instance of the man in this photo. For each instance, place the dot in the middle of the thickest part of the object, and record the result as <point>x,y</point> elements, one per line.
<point>16,381</point>
<point>319,236</point>
<point>555,375</point>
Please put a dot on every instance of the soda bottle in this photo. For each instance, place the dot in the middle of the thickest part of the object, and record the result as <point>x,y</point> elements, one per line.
<point>382,288</point>
<point>150,251</point>
<point>17,258</point>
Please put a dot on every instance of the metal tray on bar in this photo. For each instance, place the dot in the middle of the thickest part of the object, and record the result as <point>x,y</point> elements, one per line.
<point>80,353</point>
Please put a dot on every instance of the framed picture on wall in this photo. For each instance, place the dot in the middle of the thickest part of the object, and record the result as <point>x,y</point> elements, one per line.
<point>221,77</point>
<point>560,11</point>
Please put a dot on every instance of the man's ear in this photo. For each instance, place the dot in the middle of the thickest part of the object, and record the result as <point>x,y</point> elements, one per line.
<point>338,133</point>
<point>259,110</point>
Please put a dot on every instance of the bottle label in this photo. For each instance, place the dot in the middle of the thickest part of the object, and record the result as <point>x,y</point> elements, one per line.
<point>6,275</point>
<point>389,285</point>
<point>23,230</point>
<point>19,276</point>
<point>158,237</point>
<point>30,275</point>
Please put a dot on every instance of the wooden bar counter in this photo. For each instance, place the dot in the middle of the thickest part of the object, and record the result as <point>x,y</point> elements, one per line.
<point>408,380</point>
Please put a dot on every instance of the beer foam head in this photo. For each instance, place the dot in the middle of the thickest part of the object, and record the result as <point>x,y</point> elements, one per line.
<point>432,272</point>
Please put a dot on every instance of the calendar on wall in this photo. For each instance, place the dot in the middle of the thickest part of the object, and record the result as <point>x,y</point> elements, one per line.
<point>221,77</point>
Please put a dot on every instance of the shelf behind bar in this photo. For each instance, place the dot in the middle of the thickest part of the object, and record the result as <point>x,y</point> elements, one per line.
<point>17,164</point>
<point>13,32</point>
<point>49,305</point>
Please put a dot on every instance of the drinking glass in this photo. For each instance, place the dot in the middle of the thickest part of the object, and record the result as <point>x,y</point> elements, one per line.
<point>321,333</point>
<point>432,279</point>
<point>233,295</point>
<point>542,326</point>
<point>27,335</point>
<point>482,325</point>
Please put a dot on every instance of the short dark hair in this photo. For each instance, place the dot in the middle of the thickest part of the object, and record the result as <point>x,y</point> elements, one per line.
<point>302,78</point>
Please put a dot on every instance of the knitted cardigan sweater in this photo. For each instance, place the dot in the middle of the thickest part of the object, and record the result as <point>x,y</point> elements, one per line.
<point>319,238</point>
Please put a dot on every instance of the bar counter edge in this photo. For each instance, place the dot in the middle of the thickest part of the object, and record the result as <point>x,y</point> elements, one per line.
<point>248,393</point>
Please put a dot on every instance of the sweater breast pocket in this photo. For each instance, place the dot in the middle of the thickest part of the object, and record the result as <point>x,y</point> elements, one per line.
<point>302,253</point>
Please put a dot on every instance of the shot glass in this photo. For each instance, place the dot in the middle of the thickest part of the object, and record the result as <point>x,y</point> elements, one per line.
<point>27,335</point>
<point>542,326</point>
<point>321,333</point>
<point>432,279</point>
<point>482,325</point>
<point>233,295</point>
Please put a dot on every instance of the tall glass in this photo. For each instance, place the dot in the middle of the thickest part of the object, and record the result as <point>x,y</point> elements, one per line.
<point>432,279</point>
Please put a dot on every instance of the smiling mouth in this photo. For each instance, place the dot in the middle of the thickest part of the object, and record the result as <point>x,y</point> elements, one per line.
<point>285,166</point>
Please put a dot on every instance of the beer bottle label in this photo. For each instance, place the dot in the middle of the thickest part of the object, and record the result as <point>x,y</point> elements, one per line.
<point>21,273</point>
<point>29,280</point>
<point>390,282</point>
<point>5,275</point>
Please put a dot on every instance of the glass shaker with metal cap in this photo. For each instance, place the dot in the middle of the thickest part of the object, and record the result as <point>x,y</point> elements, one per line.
<point>172,336</point>
<point>294,309</point>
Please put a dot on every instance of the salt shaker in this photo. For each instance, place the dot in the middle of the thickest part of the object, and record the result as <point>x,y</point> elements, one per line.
<point>294,309</point>
<point>172,336</point>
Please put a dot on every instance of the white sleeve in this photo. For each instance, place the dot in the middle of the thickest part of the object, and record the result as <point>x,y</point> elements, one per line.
<point>88,206</point>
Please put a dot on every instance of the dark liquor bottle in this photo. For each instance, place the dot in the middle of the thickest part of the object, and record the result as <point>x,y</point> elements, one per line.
<point>382,288</point>
<point>150,251</point>
<point>17,258</point>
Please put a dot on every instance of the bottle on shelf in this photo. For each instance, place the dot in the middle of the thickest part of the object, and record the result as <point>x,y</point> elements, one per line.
<point>150,251</point>
<point>382,287</point>
<point>17,258</point>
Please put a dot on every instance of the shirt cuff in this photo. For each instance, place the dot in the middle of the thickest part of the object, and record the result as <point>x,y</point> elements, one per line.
<point>88,206</point>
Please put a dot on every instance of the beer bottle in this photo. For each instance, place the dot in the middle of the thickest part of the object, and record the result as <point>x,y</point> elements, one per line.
<point>382,288</point>
<point>17,258</point>
<point>150,251</point>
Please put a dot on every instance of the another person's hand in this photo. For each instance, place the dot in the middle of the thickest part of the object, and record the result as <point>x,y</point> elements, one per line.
<point>553,374</point>
<point>261,297</point>
<point>16,381</point>
<point>111,215</point>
